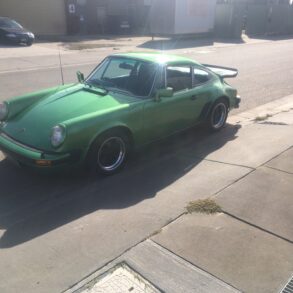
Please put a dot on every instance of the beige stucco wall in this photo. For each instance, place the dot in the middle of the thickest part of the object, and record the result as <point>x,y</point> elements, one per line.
<point>43,17</point>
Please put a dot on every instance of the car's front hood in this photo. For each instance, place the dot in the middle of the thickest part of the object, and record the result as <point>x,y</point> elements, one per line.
<point>33,125</point>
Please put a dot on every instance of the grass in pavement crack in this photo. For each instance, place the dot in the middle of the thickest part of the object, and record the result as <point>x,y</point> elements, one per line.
<point>263,117</point>
<point>206,206</point>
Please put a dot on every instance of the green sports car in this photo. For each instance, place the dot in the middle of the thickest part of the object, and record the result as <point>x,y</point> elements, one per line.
<point>127,101</point>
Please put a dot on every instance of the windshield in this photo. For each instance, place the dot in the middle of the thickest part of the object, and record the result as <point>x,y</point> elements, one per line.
<point>125,74</point>
<point>9,23</point>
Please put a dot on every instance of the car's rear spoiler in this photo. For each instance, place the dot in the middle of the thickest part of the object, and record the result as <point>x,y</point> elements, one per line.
<point>224,72</point>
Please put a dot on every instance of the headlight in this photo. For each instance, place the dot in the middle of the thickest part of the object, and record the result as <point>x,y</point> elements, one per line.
<point>31,35</point>
<point>11,35</point>
<point>3,111</point>
<point>58,135</point>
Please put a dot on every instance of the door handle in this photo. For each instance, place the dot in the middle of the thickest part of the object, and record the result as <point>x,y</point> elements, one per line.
<point>194,97</point>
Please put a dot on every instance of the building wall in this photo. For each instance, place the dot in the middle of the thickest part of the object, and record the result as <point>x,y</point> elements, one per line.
<point>169,17</point>
<point>162,17</point>
<point>43,17</point>
<point>194,16</point>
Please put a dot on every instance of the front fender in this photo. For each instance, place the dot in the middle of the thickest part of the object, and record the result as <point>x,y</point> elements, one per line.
<point>82,131</point>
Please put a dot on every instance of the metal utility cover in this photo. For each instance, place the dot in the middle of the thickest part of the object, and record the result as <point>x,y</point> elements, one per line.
<point>289,287</point>
<point>120,279</point>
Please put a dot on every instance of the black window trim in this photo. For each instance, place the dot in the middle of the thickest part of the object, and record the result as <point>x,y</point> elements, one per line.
<point>202,83</point>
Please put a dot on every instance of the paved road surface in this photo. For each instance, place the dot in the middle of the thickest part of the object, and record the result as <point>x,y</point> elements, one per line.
<point>266,68</point>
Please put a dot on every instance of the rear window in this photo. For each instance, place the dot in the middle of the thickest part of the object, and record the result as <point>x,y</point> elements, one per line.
<point>179,77</point>
<point>200,76</point>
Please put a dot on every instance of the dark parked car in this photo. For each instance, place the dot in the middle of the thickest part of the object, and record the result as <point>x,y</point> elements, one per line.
<point>13,32</point>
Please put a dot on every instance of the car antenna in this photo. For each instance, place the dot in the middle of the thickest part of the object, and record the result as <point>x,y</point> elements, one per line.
<point>61,69</point>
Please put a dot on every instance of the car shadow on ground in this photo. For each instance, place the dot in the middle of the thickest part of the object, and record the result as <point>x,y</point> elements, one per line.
<point>10,46</point>
<point>32,204</point>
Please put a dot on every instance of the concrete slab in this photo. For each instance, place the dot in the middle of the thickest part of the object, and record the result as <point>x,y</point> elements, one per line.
<point>281,118</point>
<point>263,198</point>
<point>58,231</point>
<point>284,162</point>
<point>280,106</point>
<point>168,272</point>
<point>243,256</point>
<point>253,145</point>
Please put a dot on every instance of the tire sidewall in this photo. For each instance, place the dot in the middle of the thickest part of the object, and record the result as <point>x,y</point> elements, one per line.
<point>211,115</point>
<point>29,43</point>
<point>92,158</point>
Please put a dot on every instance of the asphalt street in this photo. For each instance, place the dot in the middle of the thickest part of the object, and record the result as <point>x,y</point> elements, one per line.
<point>265,68</point>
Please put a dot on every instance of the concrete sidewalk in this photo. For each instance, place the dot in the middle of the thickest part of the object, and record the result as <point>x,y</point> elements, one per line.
<point>249,246</point>
<point>54,232</point>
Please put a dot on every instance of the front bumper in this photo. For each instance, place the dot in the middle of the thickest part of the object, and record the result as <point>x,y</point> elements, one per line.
<point>24,38</point>
<point>26,156</point>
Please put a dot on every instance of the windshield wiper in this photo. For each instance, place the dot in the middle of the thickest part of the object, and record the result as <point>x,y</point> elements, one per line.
<point>96,84</point>
<point>96,87</point>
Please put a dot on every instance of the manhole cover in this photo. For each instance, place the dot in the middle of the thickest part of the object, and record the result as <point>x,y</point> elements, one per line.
<point>120,279</point>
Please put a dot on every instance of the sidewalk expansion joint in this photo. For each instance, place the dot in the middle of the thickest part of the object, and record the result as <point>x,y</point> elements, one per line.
<point>192,264</point>
<point>257,227</point>
<point>276,169</point>
<point>226,163</point>
<point>232,183</point>
<point>276,156</point>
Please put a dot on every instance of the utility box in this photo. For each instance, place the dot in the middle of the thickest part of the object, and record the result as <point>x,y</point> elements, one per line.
<point>178,17</point>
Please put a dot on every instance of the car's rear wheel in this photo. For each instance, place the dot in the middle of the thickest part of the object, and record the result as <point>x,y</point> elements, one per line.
<point>218,115</point>
<point>109,152</point>
<point>29,43</point>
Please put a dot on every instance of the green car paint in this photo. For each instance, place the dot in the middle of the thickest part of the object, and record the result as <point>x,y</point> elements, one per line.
<point>87,111</point>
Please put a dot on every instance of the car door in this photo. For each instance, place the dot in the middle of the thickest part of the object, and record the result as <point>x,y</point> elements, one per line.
<point>168,115</point>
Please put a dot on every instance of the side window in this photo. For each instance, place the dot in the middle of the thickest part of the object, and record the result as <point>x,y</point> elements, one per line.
<point>200,76</point>
<point>179,77</point>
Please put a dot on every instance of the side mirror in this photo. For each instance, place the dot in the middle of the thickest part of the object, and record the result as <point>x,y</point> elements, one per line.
<point>80,77</point>
<point>164,93</point>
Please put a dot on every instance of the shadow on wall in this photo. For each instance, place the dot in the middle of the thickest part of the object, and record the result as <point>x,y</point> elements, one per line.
<point>32,205</point>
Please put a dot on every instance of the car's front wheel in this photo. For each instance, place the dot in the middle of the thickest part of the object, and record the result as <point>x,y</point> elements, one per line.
<point>109,152</point>
<point>218,115</point>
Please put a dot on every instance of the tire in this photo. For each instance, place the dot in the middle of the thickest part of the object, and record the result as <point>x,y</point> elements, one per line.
<point>218,115</point>
<point>108,153</point>
<point>29,43</point>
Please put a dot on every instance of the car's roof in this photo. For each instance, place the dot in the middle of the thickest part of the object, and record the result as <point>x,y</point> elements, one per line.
<point>157,57</point>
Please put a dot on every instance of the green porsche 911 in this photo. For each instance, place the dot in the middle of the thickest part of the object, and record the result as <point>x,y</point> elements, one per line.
<point>129,100</point>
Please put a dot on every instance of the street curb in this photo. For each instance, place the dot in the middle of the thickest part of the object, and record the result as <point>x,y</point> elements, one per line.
<point>284,104</point>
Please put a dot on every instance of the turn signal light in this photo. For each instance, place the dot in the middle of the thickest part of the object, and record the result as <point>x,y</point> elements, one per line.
<point>43,163</point>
